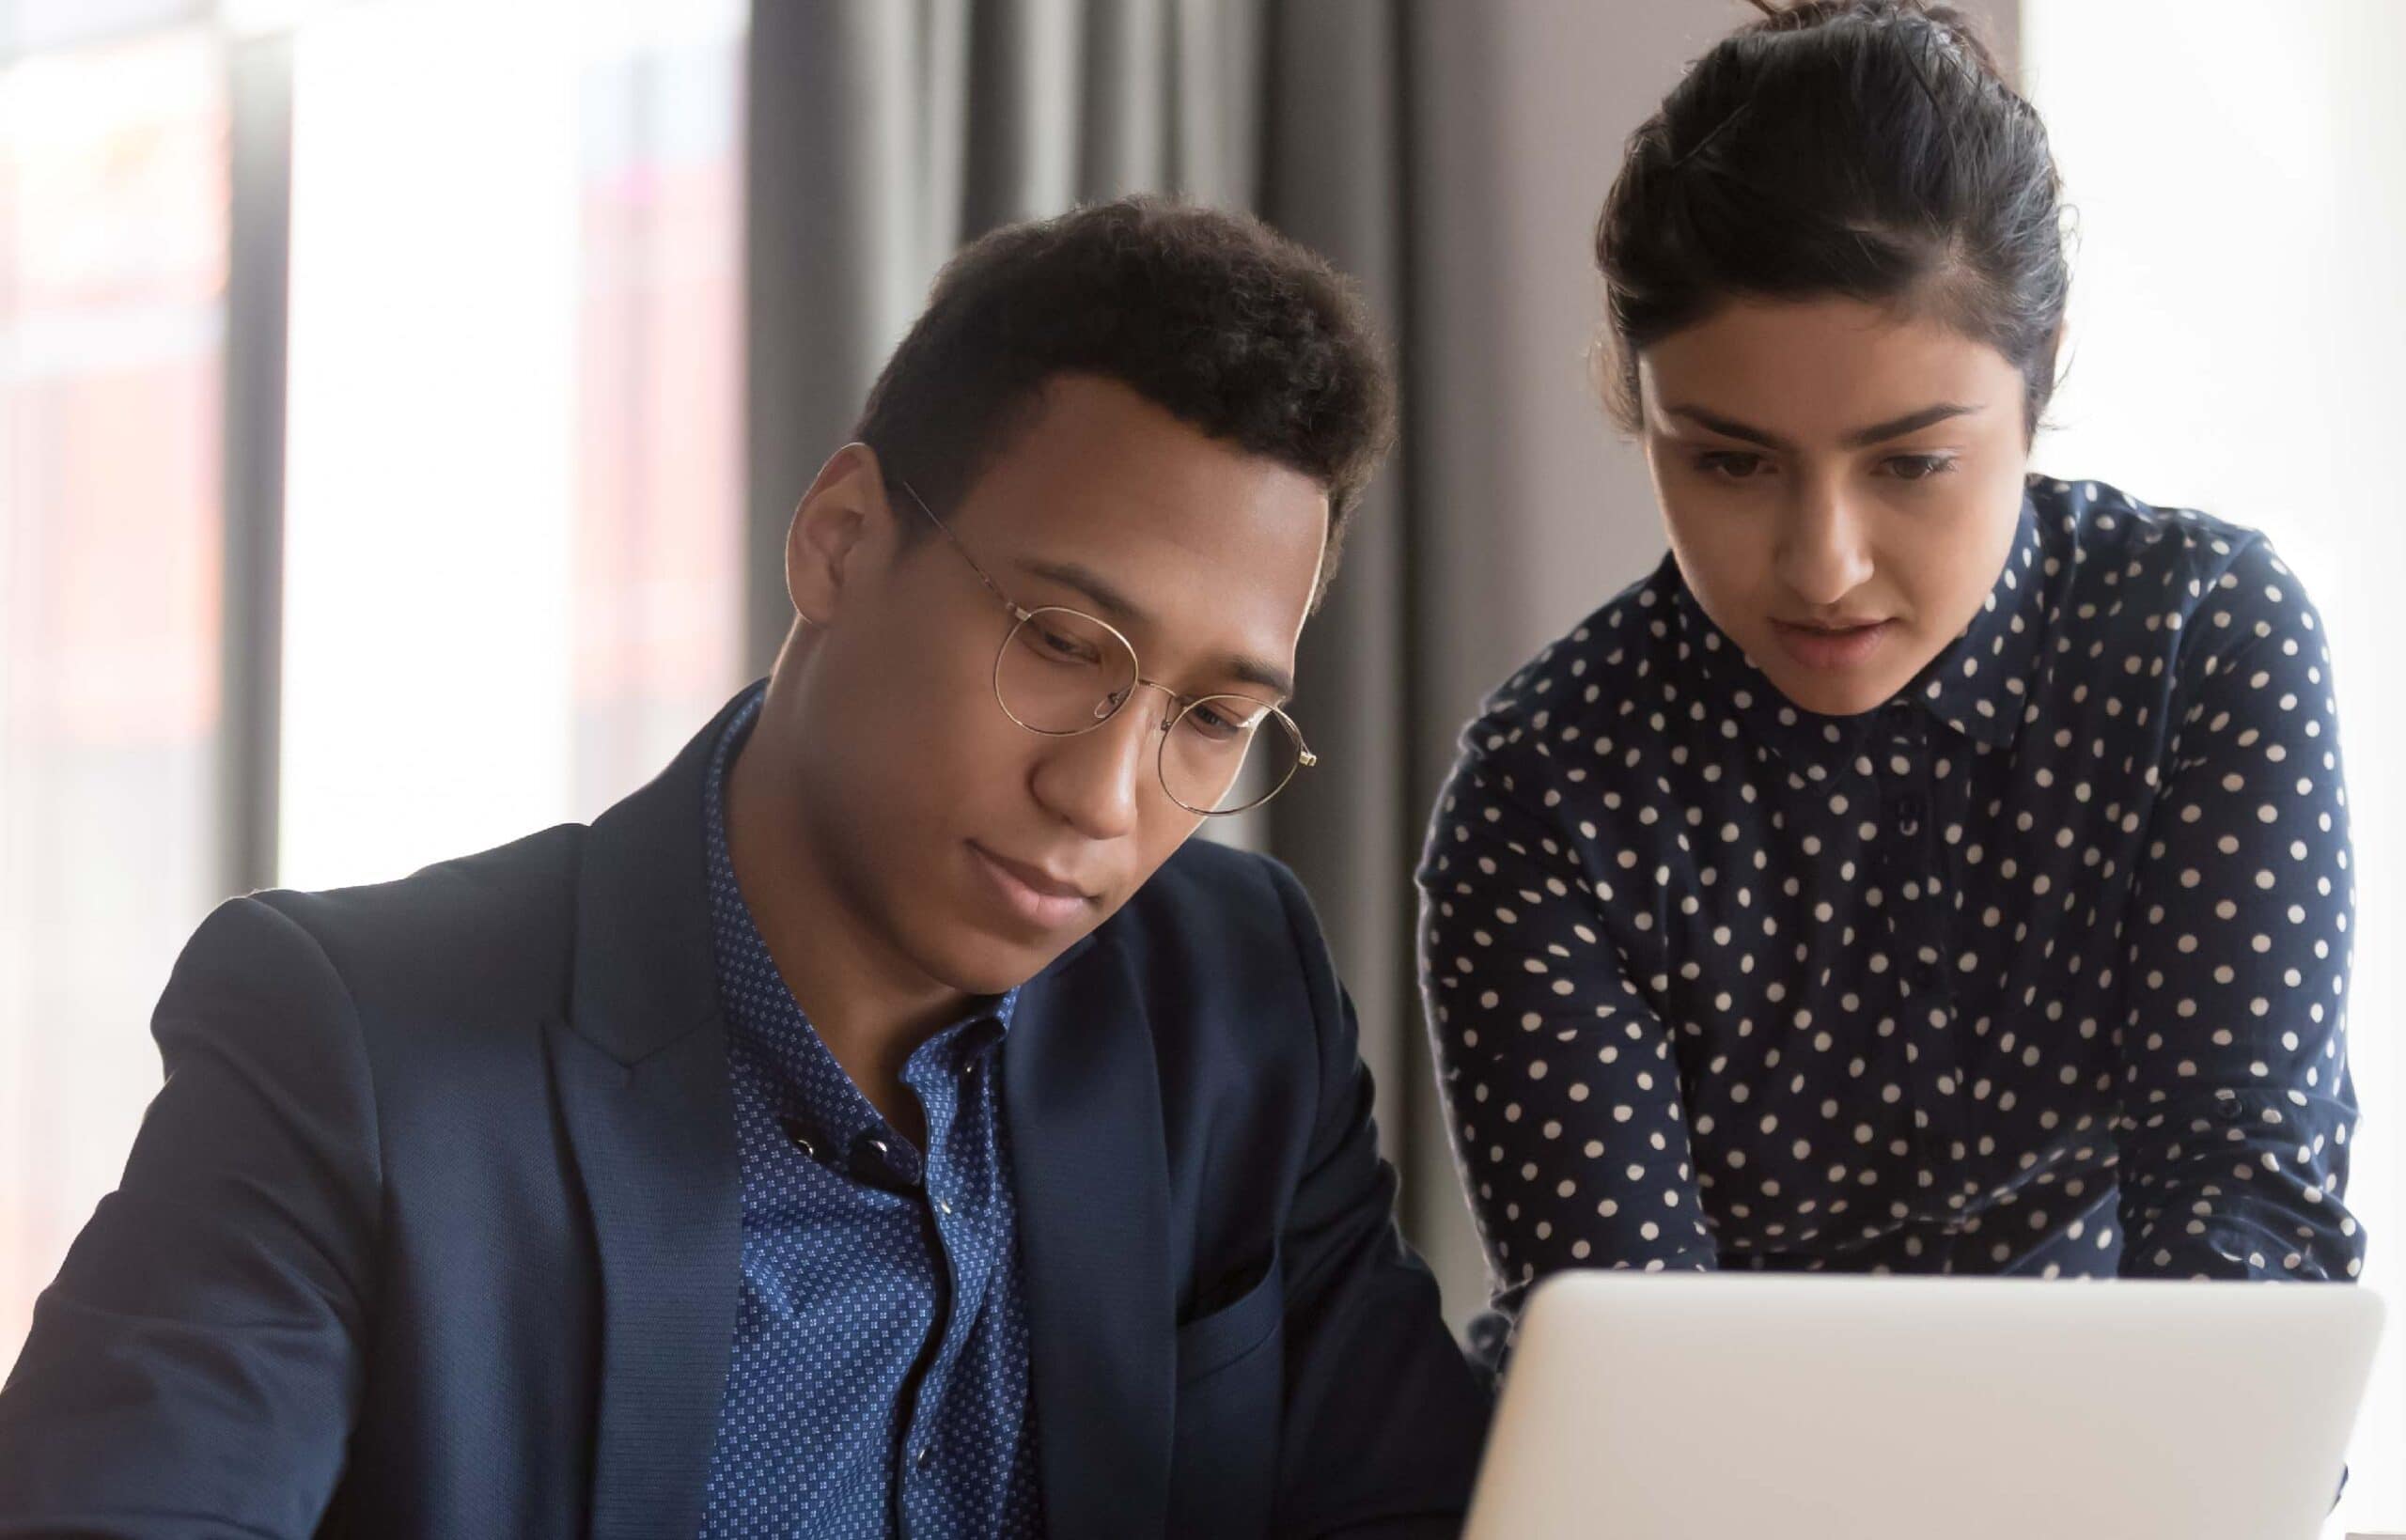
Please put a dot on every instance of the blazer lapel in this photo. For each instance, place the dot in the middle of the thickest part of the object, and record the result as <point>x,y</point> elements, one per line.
<point>1083,1103</point>
<point>641,1060</point>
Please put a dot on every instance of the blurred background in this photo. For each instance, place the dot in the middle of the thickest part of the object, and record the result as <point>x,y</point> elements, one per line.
<point>402,402</point>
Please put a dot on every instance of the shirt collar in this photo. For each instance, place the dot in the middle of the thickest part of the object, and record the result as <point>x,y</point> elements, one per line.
<point>1979,686</point>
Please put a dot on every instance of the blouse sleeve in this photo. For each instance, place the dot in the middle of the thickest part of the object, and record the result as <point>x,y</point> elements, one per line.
<point>2237,1106</point>
<point>1560,1085</point>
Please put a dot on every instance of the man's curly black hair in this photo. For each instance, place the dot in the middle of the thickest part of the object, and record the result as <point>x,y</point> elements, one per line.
<point>1212,316</point>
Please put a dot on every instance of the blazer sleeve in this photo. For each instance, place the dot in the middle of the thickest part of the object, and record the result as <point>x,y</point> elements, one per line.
<point>194,1370</point>
<point>1383,1417</point>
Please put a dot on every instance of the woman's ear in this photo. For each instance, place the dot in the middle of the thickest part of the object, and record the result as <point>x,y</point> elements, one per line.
<point>841,513</point>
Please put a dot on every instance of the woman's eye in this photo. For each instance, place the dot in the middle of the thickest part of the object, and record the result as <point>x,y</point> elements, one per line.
<point>1917,467</point>
<point>1732,464</point>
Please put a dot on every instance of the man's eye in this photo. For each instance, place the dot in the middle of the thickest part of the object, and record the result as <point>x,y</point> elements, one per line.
<point>1211,722</point>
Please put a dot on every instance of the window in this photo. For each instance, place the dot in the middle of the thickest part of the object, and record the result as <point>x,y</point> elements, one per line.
<point>113,240</point>
<point>510,572</point>
<point>513,521</point>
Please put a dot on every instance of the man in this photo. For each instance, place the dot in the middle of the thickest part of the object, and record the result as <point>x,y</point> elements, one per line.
<point>887,1122</point>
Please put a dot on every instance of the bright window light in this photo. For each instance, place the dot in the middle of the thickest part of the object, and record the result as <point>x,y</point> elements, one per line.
<point>2236,332</point>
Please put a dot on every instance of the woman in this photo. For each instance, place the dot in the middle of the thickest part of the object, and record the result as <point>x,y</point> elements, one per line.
<point>1931,867</point>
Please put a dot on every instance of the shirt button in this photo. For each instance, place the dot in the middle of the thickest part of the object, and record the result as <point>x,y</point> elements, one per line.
<point>925,1453</point>
<point>945,1208</point>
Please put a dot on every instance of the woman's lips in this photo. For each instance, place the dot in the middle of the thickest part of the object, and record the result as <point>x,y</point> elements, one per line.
<point>1831,648</point>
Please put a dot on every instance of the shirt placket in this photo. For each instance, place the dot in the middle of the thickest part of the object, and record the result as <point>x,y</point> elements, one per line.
<point>950,1204</point>
<point>1914,887</point>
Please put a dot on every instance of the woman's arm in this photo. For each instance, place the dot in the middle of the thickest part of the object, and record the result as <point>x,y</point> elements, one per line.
<point>2237,1106</point>
<point>1560,1084</point>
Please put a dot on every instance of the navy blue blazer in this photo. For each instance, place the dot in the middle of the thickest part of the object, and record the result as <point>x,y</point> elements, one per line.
<point>433,1229</point>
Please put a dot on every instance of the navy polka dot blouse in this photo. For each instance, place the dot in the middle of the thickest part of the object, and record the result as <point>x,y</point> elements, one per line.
<point>880,1382</point>
<point>2041,968</point>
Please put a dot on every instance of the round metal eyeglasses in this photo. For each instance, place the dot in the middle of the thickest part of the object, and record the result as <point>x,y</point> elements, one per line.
<point>1061,672</point>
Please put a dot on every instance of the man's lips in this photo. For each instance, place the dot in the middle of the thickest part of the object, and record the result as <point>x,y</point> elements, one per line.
<point>1036,876</point>
<point>1041,900</point>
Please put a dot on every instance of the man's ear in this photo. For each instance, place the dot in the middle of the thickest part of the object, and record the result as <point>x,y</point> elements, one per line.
<point>839,521</point>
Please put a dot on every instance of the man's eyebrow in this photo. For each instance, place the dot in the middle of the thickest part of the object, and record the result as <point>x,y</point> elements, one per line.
<point>1260,674</point>
<point>1115,606</point>
<point>1121,611</point>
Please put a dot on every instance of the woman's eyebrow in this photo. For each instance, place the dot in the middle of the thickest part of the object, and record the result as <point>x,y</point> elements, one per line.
<point>1862,437</point>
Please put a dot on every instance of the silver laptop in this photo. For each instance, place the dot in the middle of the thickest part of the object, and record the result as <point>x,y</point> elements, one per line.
<point>1653,1407</point>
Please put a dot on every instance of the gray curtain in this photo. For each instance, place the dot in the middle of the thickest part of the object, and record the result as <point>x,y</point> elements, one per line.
<point>883,133</point>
